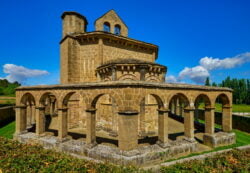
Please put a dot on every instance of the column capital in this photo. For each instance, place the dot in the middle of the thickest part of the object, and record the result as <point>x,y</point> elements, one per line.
<point>128,112</point>
<point>62,109</point>
<point>189,109</point>
<point>20,106</point>
<point>163,110</point>
<point>40,107</point>
<point>92,110</point>
<point>209,108</point>
<point>226,106</point>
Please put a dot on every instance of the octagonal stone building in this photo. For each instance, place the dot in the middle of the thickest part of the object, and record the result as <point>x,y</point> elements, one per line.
<point>113,102</point>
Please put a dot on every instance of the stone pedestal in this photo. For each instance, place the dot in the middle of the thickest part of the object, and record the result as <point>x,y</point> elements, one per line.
<point>127,130</point>
<point>219,139</point>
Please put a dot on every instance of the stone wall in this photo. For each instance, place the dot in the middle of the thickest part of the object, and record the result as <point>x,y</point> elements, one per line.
<point>7,114</point>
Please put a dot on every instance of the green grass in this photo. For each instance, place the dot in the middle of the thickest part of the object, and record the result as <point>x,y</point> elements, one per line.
<point>236,108</point>
<point>8,130</point>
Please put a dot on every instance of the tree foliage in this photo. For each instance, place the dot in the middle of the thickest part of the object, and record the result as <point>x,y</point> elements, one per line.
<point>241,89</point>
<point>8,88</point>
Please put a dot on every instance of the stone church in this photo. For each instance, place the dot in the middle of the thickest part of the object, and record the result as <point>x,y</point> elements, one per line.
<point>113,102</point>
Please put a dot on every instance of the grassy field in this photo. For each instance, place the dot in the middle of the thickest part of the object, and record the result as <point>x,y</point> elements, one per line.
<point>236,108</point>
<point>7,99</point>
<point>8,130</point>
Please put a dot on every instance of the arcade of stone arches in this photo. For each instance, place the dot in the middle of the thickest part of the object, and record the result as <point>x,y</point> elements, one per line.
<point>103,116</point>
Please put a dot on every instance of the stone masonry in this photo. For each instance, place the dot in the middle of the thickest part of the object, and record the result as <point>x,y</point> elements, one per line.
<point>114,96</point>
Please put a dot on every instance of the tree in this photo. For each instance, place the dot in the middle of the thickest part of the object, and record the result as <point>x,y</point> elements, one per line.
<point>214,84</point>
<point>207,82</point>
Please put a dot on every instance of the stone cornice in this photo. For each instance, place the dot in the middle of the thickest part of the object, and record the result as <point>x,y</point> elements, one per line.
<point>113,84</point>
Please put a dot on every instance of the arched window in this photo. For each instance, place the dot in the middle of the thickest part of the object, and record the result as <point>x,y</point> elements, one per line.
<point>117,30</point>
<point>106,27</point>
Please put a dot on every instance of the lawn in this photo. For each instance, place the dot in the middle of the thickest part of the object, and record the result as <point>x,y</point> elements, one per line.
<point>7,99</point>
<point>236,108</point>
<point>8,130</point>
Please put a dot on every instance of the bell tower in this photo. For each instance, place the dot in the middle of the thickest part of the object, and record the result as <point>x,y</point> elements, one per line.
<point>73,22</point>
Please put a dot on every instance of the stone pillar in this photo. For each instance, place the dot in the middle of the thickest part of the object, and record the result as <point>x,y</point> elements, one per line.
<point>177,106</point>
<point>21,119</point>
<point>163,126</point>
<point>209,120</point>
<point>127,130</point>
<point>142,117</point>
<point>113,74</point>
<point>180,108</point>
<point>90,126</point>
<point>142,73</point>
<point>40,120</point>
<point>189,123</point>
<point>29,114</point>
<point>62,123</point>
<point>172,106</point>
<point>227,118</point>
<point>33,113</point>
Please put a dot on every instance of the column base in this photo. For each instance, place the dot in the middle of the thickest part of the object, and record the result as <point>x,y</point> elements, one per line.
<point>91,145</point>
<point>219,139</point>
<point>189,139</point>
<point>163,145</point>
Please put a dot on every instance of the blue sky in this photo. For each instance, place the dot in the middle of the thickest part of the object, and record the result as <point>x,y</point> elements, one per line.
<point>186,32</point>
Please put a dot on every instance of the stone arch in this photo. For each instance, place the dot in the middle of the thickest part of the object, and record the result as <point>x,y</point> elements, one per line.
<point>106,26</point>
<point>117,29</point>
<point>203,97</point>
<point>128,77</point>
<point>185,101</point>
<point>28,113</point>
<point>148,118</point>
<point>226,111</point>
<point>105,117</point>
<point>152,78</point>
<point>48,113</point>
<point>224,99</point>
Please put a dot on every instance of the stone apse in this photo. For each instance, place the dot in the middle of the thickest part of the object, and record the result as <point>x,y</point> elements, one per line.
<point>113,102</point>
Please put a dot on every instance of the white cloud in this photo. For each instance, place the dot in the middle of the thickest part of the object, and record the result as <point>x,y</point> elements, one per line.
<point>171,79</point>
<point>20,73</point>
<point>198,74</point>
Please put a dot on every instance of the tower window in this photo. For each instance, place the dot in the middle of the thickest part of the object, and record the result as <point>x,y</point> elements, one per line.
<point>117,30</point>
<point>106,27</point>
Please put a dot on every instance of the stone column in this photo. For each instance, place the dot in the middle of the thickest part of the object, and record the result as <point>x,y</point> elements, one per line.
<point>29,114</point>
<point>209,120</point>
<point>62,123</point>
<point>142,73</point>
<point>21,119</point>
<point>189,123</point>
<point>177,107</point>
<point>33,113</point>
<point>40,120</point>
<point>227,118</point>
<point>163,126</point>
<point>142,117</point>
<point>90,126</point>
<point>113,74</point>
<point>127,130</point>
